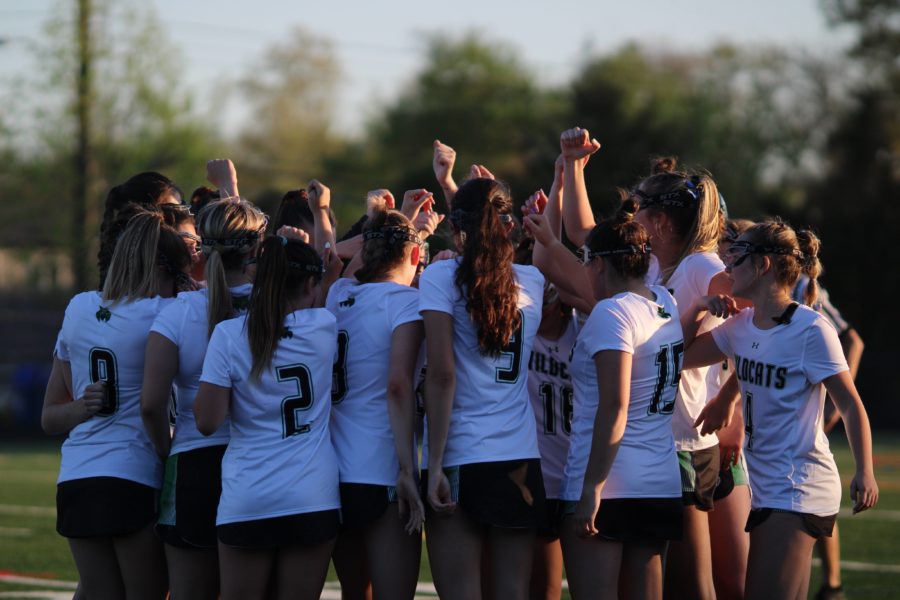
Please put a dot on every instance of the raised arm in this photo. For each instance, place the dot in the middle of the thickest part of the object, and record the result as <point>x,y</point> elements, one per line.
<point>319,203</point>
<point>577,147</point>
<point>559,265</point>
<point>221,173</point>
<point>442,163</point>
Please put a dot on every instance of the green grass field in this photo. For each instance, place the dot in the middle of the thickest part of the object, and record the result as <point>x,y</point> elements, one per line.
<point>30,546</point>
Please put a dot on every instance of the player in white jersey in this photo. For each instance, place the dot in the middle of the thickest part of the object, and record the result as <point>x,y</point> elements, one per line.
<point>230,231</point>
<point>484,483</point>
<point>786,356</point>
<point>271,371</point>
<point>682,215</point>
<point>110,474</point>
<point>379,334</point>
<point>621,487</point>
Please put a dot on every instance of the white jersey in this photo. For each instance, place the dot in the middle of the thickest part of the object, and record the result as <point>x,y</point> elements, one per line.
<point>491,419</point>
<point>105,341</point>
<point>646,465</point>
<point>690,281</point>
<point>780,372</point>
<point>279,460</point>
<point>550,390</point>
<point>185,324</point>
<point>367,315</point>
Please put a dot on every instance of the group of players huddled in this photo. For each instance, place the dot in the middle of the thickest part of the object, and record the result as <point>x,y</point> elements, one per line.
<point>245,401</point>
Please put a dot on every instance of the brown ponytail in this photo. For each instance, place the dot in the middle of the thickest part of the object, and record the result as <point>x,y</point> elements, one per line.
<point>230,230</point>
<point>386,238</point>
<point>282,269</point>
<point>625,241</point>
<point>808,243</point>
<point>485,275</point>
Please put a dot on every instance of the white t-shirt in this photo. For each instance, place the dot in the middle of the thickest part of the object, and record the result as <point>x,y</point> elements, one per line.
<point>780,373</point>
<point>367,315</point>
<point>690,281</point>
<point>279,460</point>
<point>491,419</point>
<point>646,465</point>
<point>184,323</point>
<point>550,390</point>
<point>103,341</point>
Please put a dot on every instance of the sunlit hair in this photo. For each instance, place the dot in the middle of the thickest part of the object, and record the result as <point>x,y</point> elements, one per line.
<point>734,228</point>
<point>788,267</point>
<point>203,196</point>
<point>144,189</point>
<point>626,241</point>
<point>698,224</point>
<point>485,277</point>
<point>386,239</point>
<point>230,231</point>
<point>146,244</point>
<point>282,269</point>
<point>294,211</point>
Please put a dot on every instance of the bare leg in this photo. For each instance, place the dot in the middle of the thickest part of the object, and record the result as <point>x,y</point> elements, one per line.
<point>244,573</point>
<point>193,573</point>
<point>454,551</point>
<point>393,556</point>
<point>730,544</point>
<point>301,571</point>
<point>830,552</point>
<point>142,564</point>
<point>546,569</point>
<point>592,565</point>
<point>98,568</point>
<point>641,571</point>
<point>689,562</point>
<point>511,554</point>
<point>349,558</point>
<point>780,559</point>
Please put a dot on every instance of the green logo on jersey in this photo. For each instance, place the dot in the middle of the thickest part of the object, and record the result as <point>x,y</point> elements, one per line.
<point>103,314</point>
<point>662,313</point>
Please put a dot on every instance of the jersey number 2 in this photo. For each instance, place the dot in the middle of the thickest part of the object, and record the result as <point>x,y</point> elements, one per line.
<point>668,374</point>
<point>292,406</point>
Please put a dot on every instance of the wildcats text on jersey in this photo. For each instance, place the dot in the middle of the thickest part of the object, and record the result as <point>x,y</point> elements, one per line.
<point>759,373</point>
<point>548,365</point>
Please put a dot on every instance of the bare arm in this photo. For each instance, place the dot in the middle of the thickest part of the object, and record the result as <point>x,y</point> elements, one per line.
<point>614,377</point>
<point>440,386</point>
<point>577,148</point>
<point>211,407</point>
<point>556,262</point>
<point>160,368</point>
<point>405,342</point>
<point>319,202</point>
<point>863,488</point>
<point>61,413</point>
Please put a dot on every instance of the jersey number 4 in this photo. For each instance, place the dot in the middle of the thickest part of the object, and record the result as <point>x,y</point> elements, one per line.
<point>668,374</point>
<point>103,368</point>
<point>294,405</point>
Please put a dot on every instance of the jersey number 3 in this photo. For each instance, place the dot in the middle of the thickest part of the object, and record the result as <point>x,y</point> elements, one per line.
<point>293,406</point>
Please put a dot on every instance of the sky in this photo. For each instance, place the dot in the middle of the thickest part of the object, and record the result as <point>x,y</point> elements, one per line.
<point>379,42</point>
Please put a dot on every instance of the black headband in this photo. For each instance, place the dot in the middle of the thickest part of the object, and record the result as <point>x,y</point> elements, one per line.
<point>687,196</point>
<point>588,254</point>
<point>392,234</point>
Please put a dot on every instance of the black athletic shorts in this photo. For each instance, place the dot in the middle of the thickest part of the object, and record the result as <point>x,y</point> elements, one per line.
<point>190,498</point>
<point>364,503</point>
<point>305,529</point>
<point>814,525</point>
<point>507,494</point>
<point>637,519</point>
<point>699,476</point>
<point>549,531</point>
<point>104,507</point>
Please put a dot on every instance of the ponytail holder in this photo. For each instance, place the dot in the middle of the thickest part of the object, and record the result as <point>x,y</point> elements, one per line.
<point>284,240</point>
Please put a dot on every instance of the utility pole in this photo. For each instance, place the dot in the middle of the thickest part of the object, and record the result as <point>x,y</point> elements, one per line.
<point>83,96</point>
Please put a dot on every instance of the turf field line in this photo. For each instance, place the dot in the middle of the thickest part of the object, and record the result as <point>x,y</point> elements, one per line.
<point>31,511</point>
<point>8,577</point>
<point>15,532</point>
<point>876,514</point>
<point>852,565</point>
